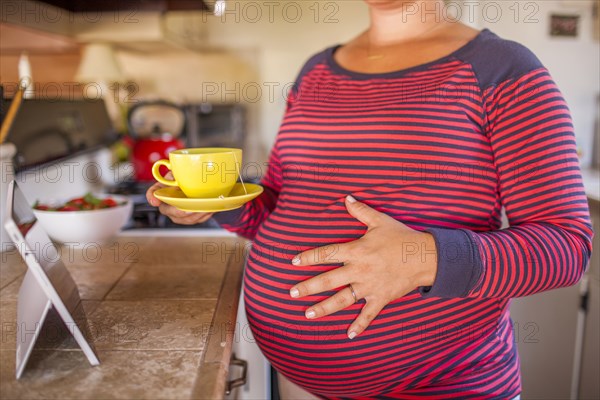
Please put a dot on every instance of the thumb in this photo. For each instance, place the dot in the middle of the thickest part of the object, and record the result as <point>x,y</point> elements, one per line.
<point>362,212</point>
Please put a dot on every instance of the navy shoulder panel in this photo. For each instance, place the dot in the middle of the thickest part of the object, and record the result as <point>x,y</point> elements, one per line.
<point>313,61</point>
<point>495,60</point>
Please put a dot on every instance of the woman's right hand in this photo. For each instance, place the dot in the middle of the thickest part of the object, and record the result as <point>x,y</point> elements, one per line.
<point>176,215</point>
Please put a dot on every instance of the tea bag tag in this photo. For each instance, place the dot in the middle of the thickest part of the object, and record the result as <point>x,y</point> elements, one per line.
<point>237,166</point>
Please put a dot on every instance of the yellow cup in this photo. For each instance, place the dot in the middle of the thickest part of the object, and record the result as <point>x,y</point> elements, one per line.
<point>202,173</point>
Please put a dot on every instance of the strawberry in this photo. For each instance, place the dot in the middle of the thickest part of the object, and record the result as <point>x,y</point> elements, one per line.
<point>68,208</point>
<point>109,203</point>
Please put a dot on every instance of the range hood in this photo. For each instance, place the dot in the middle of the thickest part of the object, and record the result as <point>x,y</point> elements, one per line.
<point>133,25</point>
<point>148,31</point>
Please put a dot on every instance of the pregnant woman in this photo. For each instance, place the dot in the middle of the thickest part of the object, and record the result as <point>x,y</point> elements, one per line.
<point>379,269</point>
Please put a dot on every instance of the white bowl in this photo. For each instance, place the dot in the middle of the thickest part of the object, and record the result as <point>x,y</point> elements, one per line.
<point>82,227</point>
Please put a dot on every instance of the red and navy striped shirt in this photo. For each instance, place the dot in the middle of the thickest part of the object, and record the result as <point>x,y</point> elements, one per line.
<point>441,147</point>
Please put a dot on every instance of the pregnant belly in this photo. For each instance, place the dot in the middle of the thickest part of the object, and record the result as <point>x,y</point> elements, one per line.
<point>402,349</point>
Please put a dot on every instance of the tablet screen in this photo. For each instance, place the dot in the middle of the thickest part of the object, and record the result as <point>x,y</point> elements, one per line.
<point>44,251</point>
<point>21,212</point>
<point>47,283</point>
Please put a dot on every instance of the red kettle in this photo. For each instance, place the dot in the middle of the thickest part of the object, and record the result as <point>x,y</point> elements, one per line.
<point>155,127</point>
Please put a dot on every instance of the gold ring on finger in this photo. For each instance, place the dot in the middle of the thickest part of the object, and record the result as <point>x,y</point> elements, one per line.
<point>353,292</point>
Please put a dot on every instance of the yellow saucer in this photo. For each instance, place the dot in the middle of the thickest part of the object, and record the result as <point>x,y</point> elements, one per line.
<point>237,198</point>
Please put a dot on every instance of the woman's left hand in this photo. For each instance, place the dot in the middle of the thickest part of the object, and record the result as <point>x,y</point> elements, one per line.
<point>389,261</point>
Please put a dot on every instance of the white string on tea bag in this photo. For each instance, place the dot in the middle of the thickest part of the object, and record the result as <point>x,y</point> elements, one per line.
<point>237,166</point>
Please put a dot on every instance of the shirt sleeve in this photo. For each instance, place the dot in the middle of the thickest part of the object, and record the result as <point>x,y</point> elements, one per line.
<point>246,220</point>
<point>548,242</point>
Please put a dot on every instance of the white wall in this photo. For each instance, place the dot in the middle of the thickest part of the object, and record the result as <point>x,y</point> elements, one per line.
<point>283,37</point>
<point>573,62</point>
<point>265,43</point>
<point>63,180</point>
<point>259,46</point>
<point>284,44</point>
<point>182,76</point>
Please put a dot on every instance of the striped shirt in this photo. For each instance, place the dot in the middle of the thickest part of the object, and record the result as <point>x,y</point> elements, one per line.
<point>441,147</point>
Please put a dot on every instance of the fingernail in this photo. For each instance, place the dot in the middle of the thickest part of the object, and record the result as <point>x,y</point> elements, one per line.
<point>350,199</point>
<point>351,335</point>
<point>296,260</point>
<point>310,314</point>
<point>294,292</point>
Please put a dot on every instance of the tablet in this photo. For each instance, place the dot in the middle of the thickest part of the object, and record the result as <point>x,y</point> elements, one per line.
<point>47,284</point>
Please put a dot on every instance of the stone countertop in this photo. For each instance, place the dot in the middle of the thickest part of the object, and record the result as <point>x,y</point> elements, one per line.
<point>161,312</point>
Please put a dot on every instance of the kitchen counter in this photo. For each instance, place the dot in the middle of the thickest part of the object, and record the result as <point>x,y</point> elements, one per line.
<point>162,314</point>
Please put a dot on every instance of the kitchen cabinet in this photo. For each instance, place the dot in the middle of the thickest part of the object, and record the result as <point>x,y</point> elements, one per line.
<point>559,347</point>
<point>589,385</point>
<point>162,312</point>
<point>258,384</point>
<point>545,327</point>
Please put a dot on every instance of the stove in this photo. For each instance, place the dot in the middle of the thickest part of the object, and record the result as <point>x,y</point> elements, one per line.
<point>144,215</point>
